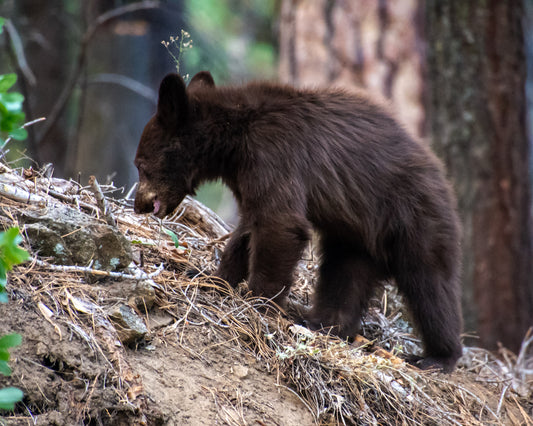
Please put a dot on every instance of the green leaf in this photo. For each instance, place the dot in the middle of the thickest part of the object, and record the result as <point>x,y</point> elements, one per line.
<point>4,368</point>
<point>143,243</point>
<point>10,340</point>
<point>3,276</point>
<point>7,81</point>
<point>10,253</point>
<point>2,21</point>
<point>19,134</point>
<point>173,236</point>
<point>11,121</point>
<point>6,342</point>
<point>9,396</point>
<point>12,101</point>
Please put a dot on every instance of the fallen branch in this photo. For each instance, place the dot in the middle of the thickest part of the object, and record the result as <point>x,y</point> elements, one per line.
<point>195,213</point>
<point>10,189</point>
<point>137,275</point>
<point>102,203</point>
<point>72,200</point>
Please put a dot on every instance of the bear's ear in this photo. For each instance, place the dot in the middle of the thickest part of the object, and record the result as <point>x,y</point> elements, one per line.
<point>172,105</point>
<point>203,80</point>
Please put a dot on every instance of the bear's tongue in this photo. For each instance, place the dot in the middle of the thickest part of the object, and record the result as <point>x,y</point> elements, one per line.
<point>157,206</point>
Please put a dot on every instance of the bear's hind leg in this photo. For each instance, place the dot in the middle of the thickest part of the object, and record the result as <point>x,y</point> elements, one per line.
<point>347,279</point>
<point>434,304</point>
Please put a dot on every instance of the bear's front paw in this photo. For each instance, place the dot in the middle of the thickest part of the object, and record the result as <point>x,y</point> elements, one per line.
<point>342,323</point>
<point>444,365</point>
<point>315,325</point>
<point>296,311</point>
<point>193,272</point>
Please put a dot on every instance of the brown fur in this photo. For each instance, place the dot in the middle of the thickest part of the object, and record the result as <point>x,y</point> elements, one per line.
<point>322,159</point>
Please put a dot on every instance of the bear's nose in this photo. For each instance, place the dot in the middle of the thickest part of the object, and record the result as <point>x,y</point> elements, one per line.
<point>144,202</point>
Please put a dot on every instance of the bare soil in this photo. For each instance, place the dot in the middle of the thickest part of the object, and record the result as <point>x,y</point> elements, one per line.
<point>194,378</point>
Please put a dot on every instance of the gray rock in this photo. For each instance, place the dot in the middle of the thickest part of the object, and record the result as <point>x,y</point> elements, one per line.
<point>130,326</point>
<point>71,237</point>
<point>142,296</point>
<point>139,294</point>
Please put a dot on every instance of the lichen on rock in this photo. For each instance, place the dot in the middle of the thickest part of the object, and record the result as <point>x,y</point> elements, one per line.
<point>69,237</point>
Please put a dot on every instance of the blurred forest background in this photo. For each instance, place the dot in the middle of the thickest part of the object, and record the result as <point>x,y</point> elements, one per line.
<point>456,72</point>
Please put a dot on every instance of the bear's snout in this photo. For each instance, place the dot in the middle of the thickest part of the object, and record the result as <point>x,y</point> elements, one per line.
<point>145,202</point>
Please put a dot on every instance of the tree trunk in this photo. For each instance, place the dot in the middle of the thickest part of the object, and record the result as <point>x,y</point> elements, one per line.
<point>45,28</point>
<point>372,44</point>
<point>476,109</point>
<point>123,53</point>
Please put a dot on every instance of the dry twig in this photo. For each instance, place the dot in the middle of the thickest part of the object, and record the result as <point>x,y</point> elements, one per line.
<point>101,202</point>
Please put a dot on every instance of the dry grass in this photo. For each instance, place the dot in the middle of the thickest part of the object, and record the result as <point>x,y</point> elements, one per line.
<point>340,383</point>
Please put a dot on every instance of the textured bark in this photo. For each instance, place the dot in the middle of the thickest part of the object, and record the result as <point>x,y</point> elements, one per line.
<point>366,43</point>
<point>476,110</point>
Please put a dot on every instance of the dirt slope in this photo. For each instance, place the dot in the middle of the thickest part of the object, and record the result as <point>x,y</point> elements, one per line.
<point>147,345</point>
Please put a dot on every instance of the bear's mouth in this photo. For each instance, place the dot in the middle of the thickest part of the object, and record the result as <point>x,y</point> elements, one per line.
<point>157,206</point>
<point>161,206</point>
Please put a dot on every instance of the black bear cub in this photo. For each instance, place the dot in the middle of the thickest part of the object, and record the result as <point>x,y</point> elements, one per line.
<point>327,160</point>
